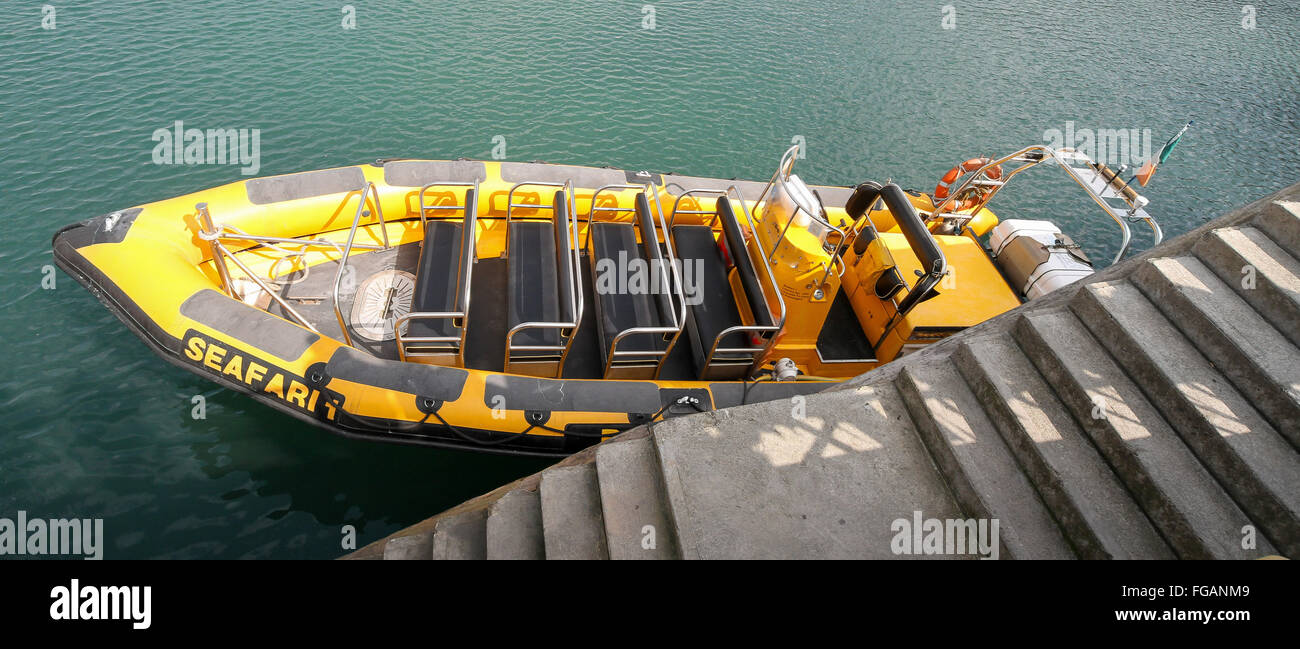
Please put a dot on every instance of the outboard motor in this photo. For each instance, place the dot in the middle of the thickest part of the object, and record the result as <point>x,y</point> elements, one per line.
<point>1036,257</point>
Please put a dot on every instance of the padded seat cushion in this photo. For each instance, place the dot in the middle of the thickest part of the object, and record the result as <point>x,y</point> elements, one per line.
<point>533,285</point>
<point>436,279</point>
<point>716,310</point>
<point>618,308</point>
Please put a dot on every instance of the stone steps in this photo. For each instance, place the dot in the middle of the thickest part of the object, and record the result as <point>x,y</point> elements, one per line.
<point>1248,458</point>
<point>1260,271</point>
<point>573,524</point>
<point>1242,345</point>
<point>829,473</point>
<point>985,478</point>
<point>1194,514</point>
<point>514,526</point>
<point>638,521</point>
<point>1089,501</point>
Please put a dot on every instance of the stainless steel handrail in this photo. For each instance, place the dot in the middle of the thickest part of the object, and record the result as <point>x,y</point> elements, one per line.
<point>782,175</point>
<point>347,251</point>
<point>424,208</point>
<point>467,258</point>
<point>678,316</point>
<point>591,211</point>
<point>274,296</point>
<point>1156,233</point>
<point>212,235</point>
<point>975,177</point>
<point>1047,153</point>
<point>753,352</point>
<point>576,302</point>
<point>672,218</point>
<point>205,220</point>
<point>308,243</point>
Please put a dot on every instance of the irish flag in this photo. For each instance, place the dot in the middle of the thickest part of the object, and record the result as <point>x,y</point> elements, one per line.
<point>1149,167</point>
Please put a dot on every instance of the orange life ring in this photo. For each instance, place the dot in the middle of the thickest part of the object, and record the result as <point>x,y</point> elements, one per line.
<point>941,190</point>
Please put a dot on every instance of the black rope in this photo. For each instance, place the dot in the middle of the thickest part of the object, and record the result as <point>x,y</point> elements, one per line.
<point>412,428</point>
<point>744,396</point>
<point>409,428</point>
<point>510,437</point>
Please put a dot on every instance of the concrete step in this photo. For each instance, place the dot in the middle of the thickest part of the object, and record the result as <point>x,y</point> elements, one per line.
<point>1260,361</point>
<point>832,475</point>
<point>1250,460</point>
<point>1281,221</point>
<point>461,535</point>
<point>1094,509</point>
<point>980,470</point>
<point>514,526</point>
<point>1260,271</point>
<point>638,523</point>
<point>572,524</point>
<point>411,547</point>
<point>1192,511</point>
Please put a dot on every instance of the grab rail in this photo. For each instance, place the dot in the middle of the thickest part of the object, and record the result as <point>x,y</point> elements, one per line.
<point>347,251</point>
<point>672,219</point>
<point>678,317</point>
<point>782,175</point>
<point>776,289</point>
<point>576,304</point>
<point>213,235</point>
<point>771,330</point>
<point>1033,155</point>
<point>467,257</point>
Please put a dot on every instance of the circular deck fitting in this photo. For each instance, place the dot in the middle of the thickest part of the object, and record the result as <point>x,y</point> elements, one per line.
<point>381,299</point>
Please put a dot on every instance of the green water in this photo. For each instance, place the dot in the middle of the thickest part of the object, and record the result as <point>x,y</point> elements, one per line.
<point>94,425</point>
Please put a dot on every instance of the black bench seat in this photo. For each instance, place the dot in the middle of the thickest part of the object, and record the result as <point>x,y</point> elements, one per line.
<point>618,308</point>
<point>541,288</point>
<point>437,286</point>
<point>532,285</point>
<point>715,307</point>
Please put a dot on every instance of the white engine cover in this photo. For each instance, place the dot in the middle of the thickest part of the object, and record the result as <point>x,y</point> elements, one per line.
<point>1036,256</point>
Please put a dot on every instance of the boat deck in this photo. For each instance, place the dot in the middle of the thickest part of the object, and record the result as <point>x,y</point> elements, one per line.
<point>485,348</point>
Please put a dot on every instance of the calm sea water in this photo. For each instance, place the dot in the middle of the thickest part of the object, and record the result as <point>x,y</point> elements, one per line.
<point>94,425</point>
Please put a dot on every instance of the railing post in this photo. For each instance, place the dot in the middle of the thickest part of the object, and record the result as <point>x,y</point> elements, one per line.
<point>205,221</point>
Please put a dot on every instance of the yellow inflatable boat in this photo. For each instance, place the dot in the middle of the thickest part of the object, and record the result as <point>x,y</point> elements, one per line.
<point>533,308</point>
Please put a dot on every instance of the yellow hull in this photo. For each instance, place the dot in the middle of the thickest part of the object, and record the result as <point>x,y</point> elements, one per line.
<point>151,267</point>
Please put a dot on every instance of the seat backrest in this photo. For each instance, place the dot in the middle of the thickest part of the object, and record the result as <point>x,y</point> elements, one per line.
<point>467,249</point>
<point>563,256</point>
<point>923,244</point>
<point>661,275</point>
<point>739,252</point>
